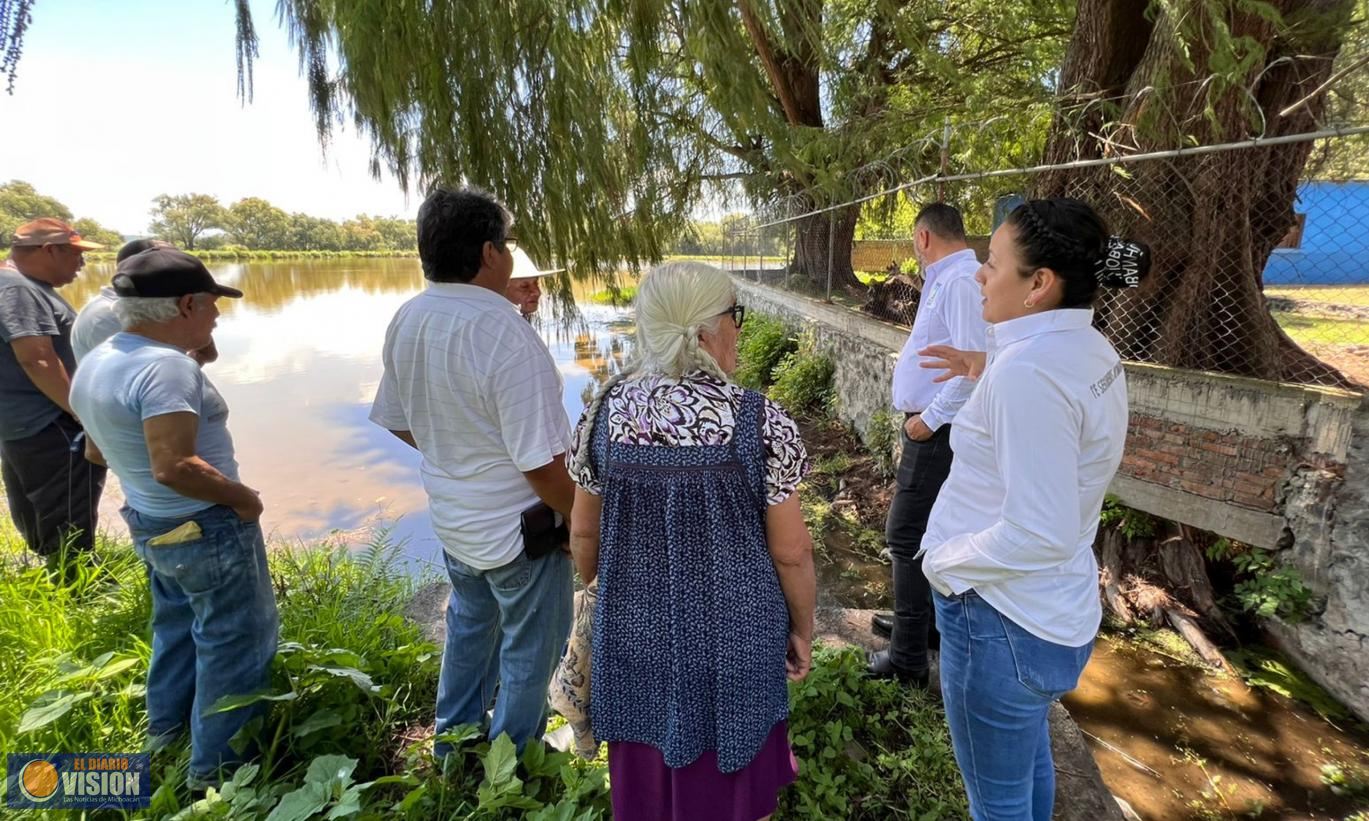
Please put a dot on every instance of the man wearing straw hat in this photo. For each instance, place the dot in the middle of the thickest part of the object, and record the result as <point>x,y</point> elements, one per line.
<point>53,491</point>
<point>525,287</point>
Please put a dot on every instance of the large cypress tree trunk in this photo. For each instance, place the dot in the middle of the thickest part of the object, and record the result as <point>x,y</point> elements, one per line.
<point>1211,220</point>
<point>814,236</point>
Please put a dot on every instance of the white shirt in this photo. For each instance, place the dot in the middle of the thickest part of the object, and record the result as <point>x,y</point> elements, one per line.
<point>1035,449</point>
<point>951,313</point>
<point>95,323</point>
<point>481,394</point>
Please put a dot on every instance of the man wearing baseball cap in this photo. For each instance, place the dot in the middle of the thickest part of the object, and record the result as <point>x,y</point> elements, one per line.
<point>53,491</point>
<point>525,287</point>
<point>157,420</point>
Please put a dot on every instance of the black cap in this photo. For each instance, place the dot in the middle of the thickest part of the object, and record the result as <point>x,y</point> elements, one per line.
<point>166,272</point>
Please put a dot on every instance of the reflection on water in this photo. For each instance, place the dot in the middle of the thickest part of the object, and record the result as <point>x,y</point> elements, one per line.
<point>299,365</point>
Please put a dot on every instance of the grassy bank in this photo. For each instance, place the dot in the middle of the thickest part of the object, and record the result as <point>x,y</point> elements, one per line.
<point>349,731</point>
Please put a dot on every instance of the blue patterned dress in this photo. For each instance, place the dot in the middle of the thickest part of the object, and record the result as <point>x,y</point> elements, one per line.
<point>691,627</point>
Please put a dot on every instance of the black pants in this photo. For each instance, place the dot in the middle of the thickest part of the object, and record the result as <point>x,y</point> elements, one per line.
<point>922,469</point>
<point>54,493</point>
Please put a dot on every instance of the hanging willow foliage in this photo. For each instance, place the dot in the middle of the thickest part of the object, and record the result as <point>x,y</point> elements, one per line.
<point>604,124</point>
<point>15,16</point>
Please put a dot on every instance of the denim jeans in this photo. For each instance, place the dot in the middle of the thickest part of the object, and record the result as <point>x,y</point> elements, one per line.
<point>214,628</point>
<point>507,626</point>
<point>922,469</point>
<point>997,684</point>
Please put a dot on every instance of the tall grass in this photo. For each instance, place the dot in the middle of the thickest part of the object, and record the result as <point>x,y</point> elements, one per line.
<point>349,729</point>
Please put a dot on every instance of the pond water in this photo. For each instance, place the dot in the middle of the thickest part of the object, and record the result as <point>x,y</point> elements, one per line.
<point>299,364</point>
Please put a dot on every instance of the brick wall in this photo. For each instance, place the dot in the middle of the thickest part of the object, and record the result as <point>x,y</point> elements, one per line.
<point>1223,467</point>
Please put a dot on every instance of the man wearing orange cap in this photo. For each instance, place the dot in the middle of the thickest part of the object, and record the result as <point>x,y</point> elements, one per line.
<point>53,491</point>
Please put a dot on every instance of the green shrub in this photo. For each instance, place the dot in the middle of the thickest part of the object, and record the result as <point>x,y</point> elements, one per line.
<point>803,380</point>
<point>1265,586</point>
<point>868,749</point>
<point>880,438</point>
<point>614,295</point>
<point>763,343</point>
<point>1134,524</point>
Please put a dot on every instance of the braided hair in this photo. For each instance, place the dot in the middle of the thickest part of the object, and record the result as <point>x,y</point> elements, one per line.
<point>675,302</point>
<point>1068,237</point>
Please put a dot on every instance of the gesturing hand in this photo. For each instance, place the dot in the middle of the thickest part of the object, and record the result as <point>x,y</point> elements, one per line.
<point>953,361</point>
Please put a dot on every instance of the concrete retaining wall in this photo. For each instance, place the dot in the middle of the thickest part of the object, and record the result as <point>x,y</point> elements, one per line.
<point>1282,467</point>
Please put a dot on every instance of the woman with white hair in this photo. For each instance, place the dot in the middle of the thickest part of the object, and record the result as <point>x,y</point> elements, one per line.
<point>687,514</point>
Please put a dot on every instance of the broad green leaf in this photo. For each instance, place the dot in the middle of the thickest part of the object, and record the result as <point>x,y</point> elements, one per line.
<point>352,674</point>
<point>321,720</point>
<point>331,769</point>
<point>37,717</point>
<point>228,703</point>
<point>349,804</point>
<point>500,761</point>
<point>300,804</point>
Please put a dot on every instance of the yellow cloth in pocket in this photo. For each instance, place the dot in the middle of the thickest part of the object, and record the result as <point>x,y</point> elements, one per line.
<point>188,532</point>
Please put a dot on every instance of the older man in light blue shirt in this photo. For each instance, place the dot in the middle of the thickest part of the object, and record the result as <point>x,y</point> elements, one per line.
<point>949,313</point>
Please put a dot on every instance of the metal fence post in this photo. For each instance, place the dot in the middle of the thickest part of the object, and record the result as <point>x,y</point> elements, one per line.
<point>760,242</point>
<point>831,250</point>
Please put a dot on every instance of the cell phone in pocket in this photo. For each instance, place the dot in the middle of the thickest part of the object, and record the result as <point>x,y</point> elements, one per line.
<point>544,531</point>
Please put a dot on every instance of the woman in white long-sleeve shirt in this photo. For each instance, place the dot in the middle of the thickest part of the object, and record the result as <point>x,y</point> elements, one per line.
<point>1009,547</point>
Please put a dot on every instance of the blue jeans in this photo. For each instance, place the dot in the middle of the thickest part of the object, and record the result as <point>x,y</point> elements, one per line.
<point>997,684</point>
<point>508,626</point>
<point>214,628</point>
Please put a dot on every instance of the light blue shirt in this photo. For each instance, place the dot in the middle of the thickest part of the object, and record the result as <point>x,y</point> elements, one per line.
<point>130,379</point>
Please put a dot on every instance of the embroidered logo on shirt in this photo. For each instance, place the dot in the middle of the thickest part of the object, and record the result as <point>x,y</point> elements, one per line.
<point>1101,386</point>
<point>931,298</point>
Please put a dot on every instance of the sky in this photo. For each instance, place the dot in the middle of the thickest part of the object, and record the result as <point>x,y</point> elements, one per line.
<point>118,102</point>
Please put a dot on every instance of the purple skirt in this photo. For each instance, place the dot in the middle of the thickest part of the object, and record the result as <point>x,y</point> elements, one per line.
<point>643,788</point>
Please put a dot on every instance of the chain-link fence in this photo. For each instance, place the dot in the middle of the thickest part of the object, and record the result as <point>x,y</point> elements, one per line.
<point>1241,282</point>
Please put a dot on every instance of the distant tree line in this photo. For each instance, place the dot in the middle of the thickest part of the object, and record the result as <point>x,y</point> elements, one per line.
<point>201,222</point>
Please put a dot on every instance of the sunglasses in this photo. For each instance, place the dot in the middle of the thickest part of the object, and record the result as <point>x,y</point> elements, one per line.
<point>738,314</point>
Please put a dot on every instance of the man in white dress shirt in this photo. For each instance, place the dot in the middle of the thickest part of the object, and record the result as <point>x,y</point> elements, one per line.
<point>470,384</point>
<point>949,313</point>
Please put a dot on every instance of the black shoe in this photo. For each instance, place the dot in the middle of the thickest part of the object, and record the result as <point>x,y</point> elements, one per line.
<point>881,666</point>
<point>882,624</point>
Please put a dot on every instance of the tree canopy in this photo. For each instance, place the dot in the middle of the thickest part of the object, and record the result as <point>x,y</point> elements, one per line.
<point>606,123</point>
<point>20,202</point>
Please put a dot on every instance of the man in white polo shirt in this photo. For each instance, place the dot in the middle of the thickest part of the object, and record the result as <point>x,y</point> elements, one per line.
<point>949,313</point>
<point>470,384</point>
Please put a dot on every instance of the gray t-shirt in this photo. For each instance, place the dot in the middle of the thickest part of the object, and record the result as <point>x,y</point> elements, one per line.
<point>130,379</point>
<point>29,308</point>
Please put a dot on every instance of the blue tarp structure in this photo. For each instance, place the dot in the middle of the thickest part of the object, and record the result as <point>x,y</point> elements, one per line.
<point>1335,240</point>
